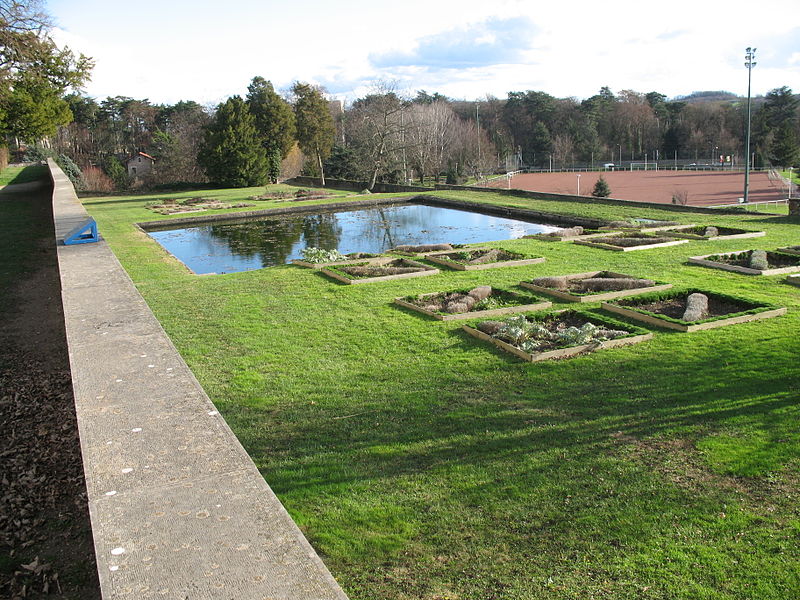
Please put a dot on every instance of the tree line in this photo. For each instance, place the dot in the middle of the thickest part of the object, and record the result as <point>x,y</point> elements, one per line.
<point>385,136</point>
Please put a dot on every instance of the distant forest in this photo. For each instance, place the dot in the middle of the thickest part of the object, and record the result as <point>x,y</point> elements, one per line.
<point>385,136</point>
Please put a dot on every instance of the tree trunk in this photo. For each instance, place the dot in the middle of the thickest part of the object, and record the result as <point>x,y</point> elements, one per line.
<point>321,169</point>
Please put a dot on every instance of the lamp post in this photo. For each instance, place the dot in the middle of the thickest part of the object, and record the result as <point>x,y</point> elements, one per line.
<point>749,63</point>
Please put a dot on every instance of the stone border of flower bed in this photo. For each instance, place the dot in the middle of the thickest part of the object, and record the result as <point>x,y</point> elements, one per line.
<point>703,262</point>
<point>571,297</point>
<point>434,257</point>
<point>758,311</point>
<point>373,260</point>
<point>628,248</point>
<point>352,281</point>
<point>492,312</point>
<point>676,232</point>
<point>637,335</point>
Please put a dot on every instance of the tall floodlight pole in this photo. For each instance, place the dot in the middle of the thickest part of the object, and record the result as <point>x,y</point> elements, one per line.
<point>749,63</point>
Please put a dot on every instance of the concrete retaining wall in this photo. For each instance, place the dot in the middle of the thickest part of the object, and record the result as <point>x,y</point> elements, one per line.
<point>178,508</point>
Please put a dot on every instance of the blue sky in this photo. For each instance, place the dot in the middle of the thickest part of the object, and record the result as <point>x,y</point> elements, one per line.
<point>204,51</point>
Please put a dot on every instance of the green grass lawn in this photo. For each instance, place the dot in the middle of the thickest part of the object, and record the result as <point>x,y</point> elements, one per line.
<point>422,464</point>
<point>22,174</point>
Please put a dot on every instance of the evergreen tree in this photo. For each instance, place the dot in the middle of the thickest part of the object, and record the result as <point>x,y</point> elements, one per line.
<point>784,150</point>
<point>274,118</point>
<point>315,129</point>
<point>34,73</point>
<point>601,188</point>
<point>232,154</point>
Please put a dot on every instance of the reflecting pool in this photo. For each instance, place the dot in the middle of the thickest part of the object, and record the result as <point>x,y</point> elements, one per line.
<point>229,247</point>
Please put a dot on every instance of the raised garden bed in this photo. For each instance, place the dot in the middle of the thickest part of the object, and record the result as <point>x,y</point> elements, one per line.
<point>172,206</point>
<point>348,259</point>
<point>378,270</point>
<point>569,234</point>
<point>793,280</point>
<point>593,286</point>
<point>556,335</point>
<point>711,232</point>
<point>790,250</point>
<point>626,242</point>
<point>669,309</point>
<point>484,301</point>
<point>473,259</point>
<point>777,263</point>
<point>641,225</point>
<point>423,249</point>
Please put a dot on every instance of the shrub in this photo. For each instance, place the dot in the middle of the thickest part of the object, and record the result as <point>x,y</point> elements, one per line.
<point>601,188</point>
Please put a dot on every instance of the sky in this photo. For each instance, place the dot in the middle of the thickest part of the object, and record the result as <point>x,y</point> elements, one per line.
<point>172,50</point>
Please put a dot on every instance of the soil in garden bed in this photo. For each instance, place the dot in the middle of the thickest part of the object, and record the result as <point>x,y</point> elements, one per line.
<point>676,307</point>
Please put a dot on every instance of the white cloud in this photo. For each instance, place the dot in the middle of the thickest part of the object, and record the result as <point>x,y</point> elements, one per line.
<point>181,50</point>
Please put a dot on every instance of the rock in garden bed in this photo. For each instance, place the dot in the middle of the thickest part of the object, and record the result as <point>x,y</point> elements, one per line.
<point>471,259</point>
<point>632,240</point>
<point>711,232</point>
<point>319,258</point>
<point>568,234</point>
<point>692,310</point>
<point>593,286</point>
<point>556,335</point>
<point>378,270</point>
<point>471,303</point>
<point>751,262</point>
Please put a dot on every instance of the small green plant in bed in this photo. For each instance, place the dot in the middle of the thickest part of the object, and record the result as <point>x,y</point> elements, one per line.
<point>320,255</point>
<point>556,335</point>
<point>775,260</point>
<point>482,256</point>
<point>688,309</point>
<point>468,259</point>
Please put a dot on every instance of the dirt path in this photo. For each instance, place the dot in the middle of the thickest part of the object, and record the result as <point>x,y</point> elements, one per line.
<point>46,548</point>
<point>700,188</point>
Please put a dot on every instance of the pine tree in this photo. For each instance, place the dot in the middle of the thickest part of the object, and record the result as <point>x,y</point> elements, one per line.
<point>315,129</point>
<point>232,154</point>
<point>601,188</point>
<point>785,150</point>
<point>274,118</point>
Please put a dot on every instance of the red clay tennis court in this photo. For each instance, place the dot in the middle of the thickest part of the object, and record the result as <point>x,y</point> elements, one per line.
<point>700,188</point>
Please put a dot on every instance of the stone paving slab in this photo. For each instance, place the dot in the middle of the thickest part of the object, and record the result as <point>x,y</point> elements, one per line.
<point>178,508</point>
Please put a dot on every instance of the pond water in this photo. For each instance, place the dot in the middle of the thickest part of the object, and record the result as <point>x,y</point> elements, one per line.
<point>229,247</point>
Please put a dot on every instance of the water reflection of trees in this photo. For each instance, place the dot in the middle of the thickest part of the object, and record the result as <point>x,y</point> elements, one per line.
<point>273,241</point>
